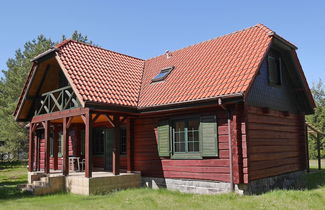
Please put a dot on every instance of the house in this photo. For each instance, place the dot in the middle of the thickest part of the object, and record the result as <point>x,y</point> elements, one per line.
<point>227,114</point>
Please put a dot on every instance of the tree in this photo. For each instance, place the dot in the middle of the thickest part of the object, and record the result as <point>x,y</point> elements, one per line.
<point>14,134</point>
<point>79,37</point>
<point>318,118</point>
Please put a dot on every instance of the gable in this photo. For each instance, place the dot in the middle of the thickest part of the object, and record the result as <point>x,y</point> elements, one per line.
<point>286,96</point>
<point>40,95</point>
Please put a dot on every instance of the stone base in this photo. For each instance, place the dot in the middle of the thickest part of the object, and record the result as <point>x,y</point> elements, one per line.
<point>187,185</point>
<point>285,181</point>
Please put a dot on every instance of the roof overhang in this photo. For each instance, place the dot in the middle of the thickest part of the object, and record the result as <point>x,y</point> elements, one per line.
<point>45,55</point>
<point>226,99</point>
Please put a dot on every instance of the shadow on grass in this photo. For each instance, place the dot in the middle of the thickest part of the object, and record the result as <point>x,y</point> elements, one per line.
<point>12,164</point>
<point>9,190</point>
<point>315,179</point>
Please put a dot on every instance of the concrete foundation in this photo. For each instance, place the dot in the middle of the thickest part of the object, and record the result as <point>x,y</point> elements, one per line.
<point>187,185</point>
<point>288,181</point>
<point>101,184</point>
<point>77,183</point>
<point>285,181</point>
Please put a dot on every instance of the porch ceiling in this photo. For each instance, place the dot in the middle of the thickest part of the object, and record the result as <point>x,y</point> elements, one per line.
<point>78,119</point>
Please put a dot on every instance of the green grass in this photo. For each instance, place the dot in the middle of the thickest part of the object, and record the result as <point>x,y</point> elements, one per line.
<point>314,163</point>
<point>313,197</point>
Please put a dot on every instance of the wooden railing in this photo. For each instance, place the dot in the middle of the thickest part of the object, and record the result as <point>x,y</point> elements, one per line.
<point>57,100</point>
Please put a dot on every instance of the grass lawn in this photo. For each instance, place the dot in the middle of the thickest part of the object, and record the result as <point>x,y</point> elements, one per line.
<point>313,197</point>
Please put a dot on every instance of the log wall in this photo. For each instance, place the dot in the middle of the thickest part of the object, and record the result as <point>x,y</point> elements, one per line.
<point>276,142</point>
<point>147,160</point>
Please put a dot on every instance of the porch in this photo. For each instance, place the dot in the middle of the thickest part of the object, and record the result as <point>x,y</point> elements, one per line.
<point>92,137</point>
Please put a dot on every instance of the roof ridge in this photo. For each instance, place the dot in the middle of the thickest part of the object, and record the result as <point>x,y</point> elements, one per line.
<point>259,25</point>
<point>66,41</point>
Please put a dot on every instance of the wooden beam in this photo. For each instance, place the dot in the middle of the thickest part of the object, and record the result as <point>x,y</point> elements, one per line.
<point>34,126</point>
<point>69,121</point>
<point>88,145</point>
<point>37,158</point>
<point>83,117</point>
<point>65,168</point>
<point>109,119</point>
<point>55,147</point>
<point>47,146</point>
<point>60,115</point>
<point>129,145</point>
<point>30,149</point>
<point>116,146</point>
<point>306,148</point>
<point>43,124</point>
<point>96,117</point>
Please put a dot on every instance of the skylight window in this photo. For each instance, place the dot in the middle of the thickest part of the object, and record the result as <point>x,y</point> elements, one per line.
<point>162,74</point>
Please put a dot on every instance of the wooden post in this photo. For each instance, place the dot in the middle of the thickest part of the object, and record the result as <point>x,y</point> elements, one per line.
<point>116,146</point>
<point>318,152</point>
<point>65,167</point>
<point>88,145</point>
<point>129,149</point>
<point>30,149</point>
<point>37,153</point>
<point>55,147</point>
<point>306,147</point>
<point>47,146</point>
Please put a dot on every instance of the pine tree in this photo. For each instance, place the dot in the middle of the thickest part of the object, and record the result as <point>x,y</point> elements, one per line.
<point>318,118</point>
<point>12,133</point>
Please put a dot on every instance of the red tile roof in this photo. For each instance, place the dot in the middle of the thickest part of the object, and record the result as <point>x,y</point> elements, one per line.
<point>101,75</point>
<point>221,66</point>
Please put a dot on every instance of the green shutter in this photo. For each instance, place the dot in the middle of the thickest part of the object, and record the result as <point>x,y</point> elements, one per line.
<point>163,139</point>
<point>208,136</point>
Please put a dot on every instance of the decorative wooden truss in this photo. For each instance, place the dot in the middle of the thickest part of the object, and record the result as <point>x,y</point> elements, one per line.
<point>57,100</point>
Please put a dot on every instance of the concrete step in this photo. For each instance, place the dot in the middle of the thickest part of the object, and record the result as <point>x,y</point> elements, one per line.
<point>40,184</point>
<point>45,179</point>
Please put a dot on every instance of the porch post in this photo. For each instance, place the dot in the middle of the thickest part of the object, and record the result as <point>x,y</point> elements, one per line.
<point>47,146</point>
<point>129,145</point>
<point>31,149</point>
<point>65,155</point>
<point>116,146</point>
<point>55,147</point>
<point>88,145</point>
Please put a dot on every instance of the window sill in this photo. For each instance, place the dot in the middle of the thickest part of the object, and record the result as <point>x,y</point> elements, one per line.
<point>190,156</point>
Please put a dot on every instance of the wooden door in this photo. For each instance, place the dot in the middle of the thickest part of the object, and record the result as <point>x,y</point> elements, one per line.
<point>108,145</point>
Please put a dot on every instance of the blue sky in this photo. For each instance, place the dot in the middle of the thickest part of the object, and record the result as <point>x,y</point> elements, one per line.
<point>146,29</point>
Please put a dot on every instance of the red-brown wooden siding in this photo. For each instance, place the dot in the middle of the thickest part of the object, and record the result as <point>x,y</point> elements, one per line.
<point>276,143</point>
<point>147,160</point>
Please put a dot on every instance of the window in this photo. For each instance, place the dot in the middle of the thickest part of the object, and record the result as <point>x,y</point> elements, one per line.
<point>51,143</point>
<point>98,141</point>
<point>122,140</point>
<point>186,136</point>
<point>163,74</point>
<point>189,138</point>
<point>274,70</point>
<point>60,145</point>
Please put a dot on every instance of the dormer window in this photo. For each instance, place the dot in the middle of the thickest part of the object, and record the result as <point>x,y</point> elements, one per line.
<point>162,74</point>
<point>274,70</point>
